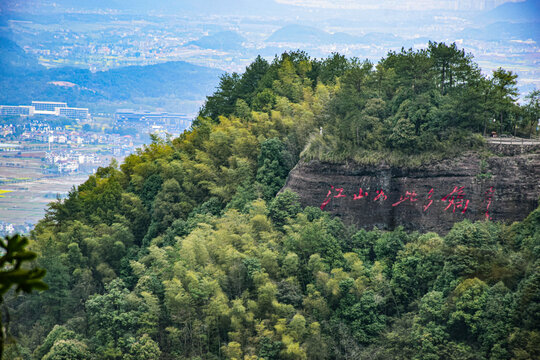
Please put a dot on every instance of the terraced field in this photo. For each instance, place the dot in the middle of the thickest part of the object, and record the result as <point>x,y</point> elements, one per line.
<point>25,191</point>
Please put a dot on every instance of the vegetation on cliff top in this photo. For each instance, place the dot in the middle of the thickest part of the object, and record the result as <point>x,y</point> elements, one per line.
<point>410,108</point>
<point>184,251</point>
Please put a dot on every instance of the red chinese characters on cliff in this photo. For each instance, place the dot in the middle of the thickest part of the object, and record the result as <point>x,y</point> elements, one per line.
<point>455,200</point>
<point>381,196</point>
<point>411,196</point>
<point>360,195</point>
<point>487,199</point>
<point>329,196</point>
<point>430,194</point>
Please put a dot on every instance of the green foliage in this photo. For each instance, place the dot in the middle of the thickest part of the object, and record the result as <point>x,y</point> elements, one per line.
<point>532,111</point>
<point>144,348</point>
<point>186,251</point>
<point>12,273</point>
<point>13,256</point>
<point>58,333</point>
<point>413,107</point>
<point>284,206</point>
<point>272,168</point>
<point>68,350</point>
<point>151,187</point>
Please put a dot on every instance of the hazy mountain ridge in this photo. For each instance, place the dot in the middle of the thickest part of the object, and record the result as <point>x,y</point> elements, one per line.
<point>525,11</point>
<point>312,35</point>
<point>205,7</point>
<point>223,40</point>
<point>504,31</point>
<point>14,59</point>
<point>24,80</point>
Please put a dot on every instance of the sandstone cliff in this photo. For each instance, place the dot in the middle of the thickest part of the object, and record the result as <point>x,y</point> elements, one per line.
<point>502,187</point>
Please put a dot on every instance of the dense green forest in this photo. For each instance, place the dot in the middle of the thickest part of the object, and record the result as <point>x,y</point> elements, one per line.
<point>185,251</point>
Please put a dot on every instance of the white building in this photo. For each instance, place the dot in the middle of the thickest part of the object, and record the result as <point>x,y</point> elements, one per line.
<point>48,106</point>
<point>74,113</point>
<point>19,110</point>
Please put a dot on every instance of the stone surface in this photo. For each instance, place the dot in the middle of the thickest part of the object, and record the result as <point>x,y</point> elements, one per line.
<point>514,180</point>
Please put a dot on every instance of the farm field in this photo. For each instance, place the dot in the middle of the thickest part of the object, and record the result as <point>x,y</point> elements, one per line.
<point>27,201</point>
<point>25,191</point>
<point>16,169</point>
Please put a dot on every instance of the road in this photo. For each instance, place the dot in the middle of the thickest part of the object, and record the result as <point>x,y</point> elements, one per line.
<point>513,141</point>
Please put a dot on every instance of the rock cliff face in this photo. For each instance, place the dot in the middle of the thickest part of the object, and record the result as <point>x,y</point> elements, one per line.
<point>503,187</point>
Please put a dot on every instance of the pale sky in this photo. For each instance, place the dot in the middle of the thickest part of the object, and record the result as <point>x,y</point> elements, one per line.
<point>398,4</point>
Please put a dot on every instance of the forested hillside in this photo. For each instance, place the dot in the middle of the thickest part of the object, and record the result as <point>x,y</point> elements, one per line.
<point>22,80</point>
<point>184,251</point>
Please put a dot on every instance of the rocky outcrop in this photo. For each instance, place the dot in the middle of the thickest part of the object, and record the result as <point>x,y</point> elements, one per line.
<point>430,197</point>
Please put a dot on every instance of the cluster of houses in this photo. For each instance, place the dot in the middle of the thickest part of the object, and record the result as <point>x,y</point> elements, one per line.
<point>6,130</point>
<point>9,228</point>
<point>45,134</point>
<point>67,161</point>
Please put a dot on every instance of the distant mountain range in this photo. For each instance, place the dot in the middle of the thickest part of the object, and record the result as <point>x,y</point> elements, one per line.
<point>14,59</point>
<point>22,80</point>
<point>183,6</point>
<point>250,7</point>
<point>310,35</point>
<point>223,40</point>
<point>525,11</point>
<point>504,31</point>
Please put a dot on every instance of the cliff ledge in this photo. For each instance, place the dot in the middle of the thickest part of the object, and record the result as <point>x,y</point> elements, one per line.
<point>502,187</point>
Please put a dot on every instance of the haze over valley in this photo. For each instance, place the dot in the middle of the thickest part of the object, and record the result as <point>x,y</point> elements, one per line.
<point>100,35</point>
